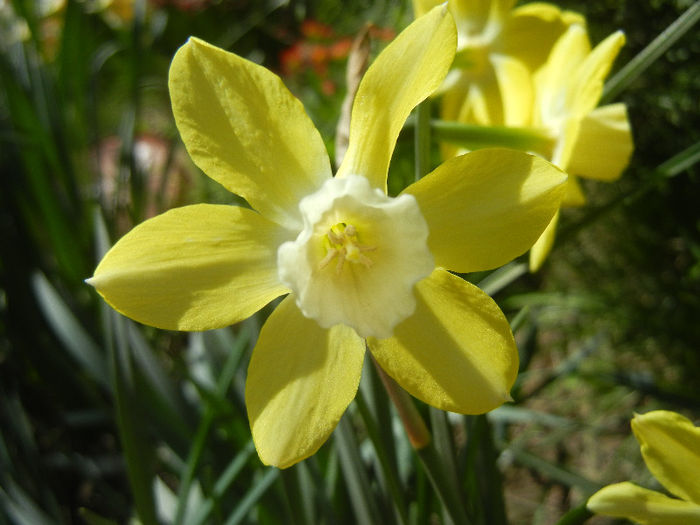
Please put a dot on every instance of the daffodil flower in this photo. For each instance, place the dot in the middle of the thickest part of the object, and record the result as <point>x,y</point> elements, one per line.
<point>670,446</point>
<point>498,49</point>
<point>590,142</point>
<point>360,268</point>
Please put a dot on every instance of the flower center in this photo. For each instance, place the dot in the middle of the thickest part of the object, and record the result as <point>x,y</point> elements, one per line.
<point>341,243</point>
<point>357,258</point>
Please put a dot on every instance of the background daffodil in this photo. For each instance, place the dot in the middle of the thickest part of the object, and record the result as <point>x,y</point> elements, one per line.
<point>589,141</point>
<point>670,446</point>
<point>360,268</point>
<point>498,48</point>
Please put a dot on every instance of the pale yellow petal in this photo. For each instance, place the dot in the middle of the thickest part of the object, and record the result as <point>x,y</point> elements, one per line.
<point>301,378</point>
<point>456,352</point>
<point>540,250</point>
<point>404,74</point>
<point>245,130</point>
<point>627,500</point>
<point>193,268</point>
<point>554,82</point>
<point>590,76</point>
<point>421,7</point>
<point>604,144</point>
<point>487,207</point>
<point>532,29</point>
<point>670,445</point>
<point>515,87</point>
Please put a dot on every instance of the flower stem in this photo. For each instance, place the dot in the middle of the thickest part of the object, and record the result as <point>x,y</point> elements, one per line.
<point>418,434</point>
<point>421,139</point>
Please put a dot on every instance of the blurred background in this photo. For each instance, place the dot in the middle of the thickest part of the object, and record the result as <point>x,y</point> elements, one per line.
<point>100,416</point>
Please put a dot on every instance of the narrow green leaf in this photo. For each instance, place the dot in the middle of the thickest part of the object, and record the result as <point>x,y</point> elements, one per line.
<point>502,277</point>
<point>662,43</point>
<point>553,471</point>
<point>70,332</point>
<point>252,496</point>
<point>356,481</point>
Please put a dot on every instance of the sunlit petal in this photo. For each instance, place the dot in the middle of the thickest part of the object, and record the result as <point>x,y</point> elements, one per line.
<point>532,29</point>
<point>301,378</point>
<point>485,208</point>
<point>540,250</point>
<point>604,144</point>
<point>405,73</point>
<point>193,268</point>
<point>588,82</point>
<point>574,194</point>
<point>245,130</point>
<point>456,352</point>
<point>670,445</point>
<point>627,500</point>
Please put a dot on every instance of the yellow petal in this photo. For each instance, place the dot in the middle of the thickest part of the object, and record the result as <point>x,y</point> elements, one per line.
<point>670,445</point>
<point>540,250</point>
<point>516,90</point>
<point>421,7</point>
<point>532,29</point>
<point>604,144</point>
<point>301,378</point>
<point>627,500</point>
<point>590,76</point>
<point>479,21</point>
<point>193,268</point>
<point>554,82</point>
<point>404,74</point>
<point>245,130</point>
<point>574,194</point>
<point>456,352</point>
<point>485,208</point>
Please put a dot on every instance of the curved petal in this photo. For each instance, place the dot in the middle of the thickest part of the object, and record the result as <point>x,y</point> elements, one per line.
<point>301,379</point>
<point>589,79</point>
<point>404,74</point>
<point>603,145</point>
<point>670,445</point>
<point>532,29</point>
<point>516,90</point>
<point>245,130</point>
<point>193,268</point>
<point>456,352</point>
<point>487,207</point>
<point>627,500</point>
<point>540,250</point>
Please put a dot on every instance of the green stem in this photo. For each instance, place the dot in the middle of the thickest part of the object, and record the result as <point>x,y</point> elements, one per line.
<point>420,438</point>
<point>421,139</point>
<point>649,54</point>
<point>474,136</point>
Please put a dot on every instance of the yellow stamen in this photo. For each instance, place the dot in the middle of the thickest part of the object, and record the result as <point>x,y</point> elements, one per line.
<point>343,244</point>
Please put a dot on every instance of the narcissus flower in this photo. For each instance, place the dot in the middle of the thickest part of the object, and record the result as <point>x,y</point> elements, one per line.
<point>670,446</point>
<point>590,142</point>
<point>360,268</point>
<point>498,48</point>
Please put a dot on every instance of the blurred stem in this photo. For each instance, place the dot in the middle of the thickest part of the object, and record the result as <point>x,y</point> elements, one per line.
<point>649,54</point>
<point>420,438</point>
<point>576,516</point>
<point>421,139</point>
<point>474,136</point>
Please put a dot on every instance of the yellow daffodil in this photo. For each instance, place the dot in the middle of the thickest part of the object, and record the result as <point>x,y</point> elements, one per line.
<point>590,142</point>
<point>360,268</point>
<point>670,446</point>
<point>498,48</point>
